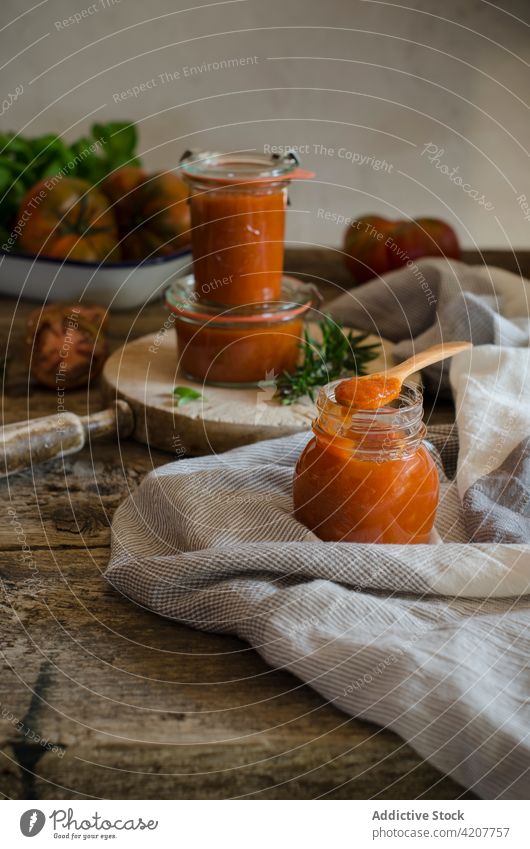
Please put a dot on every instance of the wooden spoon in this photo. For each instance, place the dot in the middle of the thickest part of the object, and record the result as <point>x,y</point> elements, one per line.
<point>375,390</point>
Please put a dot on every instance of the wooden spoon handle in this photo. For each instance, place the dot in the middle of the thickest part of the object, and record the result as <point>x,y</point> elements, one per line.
<point>435,354</point>
<point>26,444</point>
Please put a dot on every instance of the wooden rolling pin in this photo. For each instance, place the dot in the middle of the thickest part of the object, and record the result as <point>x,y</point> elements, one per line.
<point>26,444</point>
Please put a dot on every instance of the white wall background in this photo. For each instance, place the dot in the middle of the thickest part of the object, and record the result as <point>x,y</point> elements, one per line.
<point>375,78</point>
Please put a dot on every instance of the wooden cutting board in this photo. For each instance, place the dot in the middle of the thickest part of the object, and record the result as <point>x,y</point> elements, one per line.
<point>144,372</point>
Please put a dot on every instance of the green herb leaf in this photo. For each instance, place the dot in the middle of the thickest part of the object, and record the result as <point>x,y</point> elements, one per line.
<point>184,394</point>
<point>5,177</point>
<point>338,355</point>
<point>119,140</point>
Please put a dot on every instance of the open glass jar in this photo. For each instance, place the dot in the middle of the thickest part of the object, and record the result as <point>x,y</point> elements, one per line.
<point>238,206</point>
<point>242,345</point>
<point>367,476</point>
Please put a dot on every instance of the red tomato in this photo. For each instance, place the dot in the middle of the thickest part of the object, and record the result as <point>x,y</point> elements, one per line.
<point>152,212</point>
<point>374,245</point>
<point>69,220</point>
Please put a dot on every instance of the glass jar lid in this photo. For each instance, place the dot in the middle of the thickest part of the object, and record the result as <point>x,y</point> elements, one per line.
<point>296,298</point>
<point>240,167</point>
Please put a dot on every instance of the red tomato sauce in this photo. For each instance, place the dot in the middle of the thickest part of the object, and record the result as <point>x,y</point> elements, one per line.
<point>368,393</point>
<point>344,498</point>
<point>238,237</point>
<point>366,476</point>
<point>239,354</point>
<point>235,346</point>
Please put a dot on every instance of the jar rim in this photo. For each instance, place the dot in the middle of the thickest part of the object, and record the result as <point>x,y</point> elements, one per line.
<point>296,299</point>
<point>410,399</point>
<point>240,167</point>
<point>398,427</point>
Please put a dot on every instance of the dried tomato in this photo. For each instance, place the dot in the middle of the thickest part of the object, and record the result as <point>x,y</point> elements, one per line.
<point>66,344</point>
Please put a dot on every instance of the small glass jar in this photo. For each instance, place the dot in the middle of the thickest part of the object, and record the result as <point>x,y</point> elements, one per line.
<point>238,204</point>
<point>366,476</point>
<point>238,346</point>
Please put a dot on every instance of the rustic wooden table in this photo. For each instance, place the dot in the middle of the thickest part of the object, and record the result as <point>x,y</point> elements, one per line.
<point>99,698</point>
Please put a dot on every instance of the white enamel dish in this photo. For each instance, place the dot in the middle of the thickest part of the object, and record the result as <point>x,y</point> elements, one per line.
<point>119,286</point>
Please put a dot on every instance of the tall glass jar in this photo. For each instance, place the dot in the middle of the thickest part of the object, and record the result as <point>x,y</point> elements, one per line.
<point>238,204</point>
<point>367,476</point>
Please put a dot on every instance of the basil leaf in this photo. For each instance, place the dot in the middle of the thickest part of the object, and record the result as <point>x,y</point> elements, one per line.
<point>184,394</point>
<point>119,140</point>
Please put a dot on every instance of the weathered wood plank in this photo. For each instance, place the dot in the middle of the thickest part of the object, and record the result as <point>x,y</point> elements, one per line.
<point>143,707</point>
<point>70,502</point>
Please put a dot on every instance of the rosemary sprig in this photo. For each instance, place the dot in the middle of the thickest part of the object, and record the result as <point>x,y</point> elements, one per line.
<point>338,355</point>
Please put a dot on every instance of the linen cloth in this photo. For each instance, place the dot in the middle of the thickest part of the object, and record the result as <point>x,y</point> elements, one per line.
<point>431,641</point>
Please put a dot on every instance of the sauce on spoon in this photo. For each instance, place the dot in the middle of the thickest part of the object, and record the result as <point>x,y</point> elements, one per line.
<point>368,393</point>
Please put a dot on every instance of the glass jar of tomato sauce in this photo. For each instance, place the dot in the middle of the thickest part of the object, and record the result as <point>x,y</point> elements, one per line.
<point>367,476</point>
<point>238,204</point>
<point>242,345</point>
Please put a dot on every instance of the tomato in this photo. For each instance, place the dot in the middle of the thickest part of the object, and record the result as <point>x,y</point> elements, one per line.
<point>375,245</point>
<point>152,212</point>
<point>69,220</point>
<point>368,241</point>
<point>66,344</point>
<point>440,235</point>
